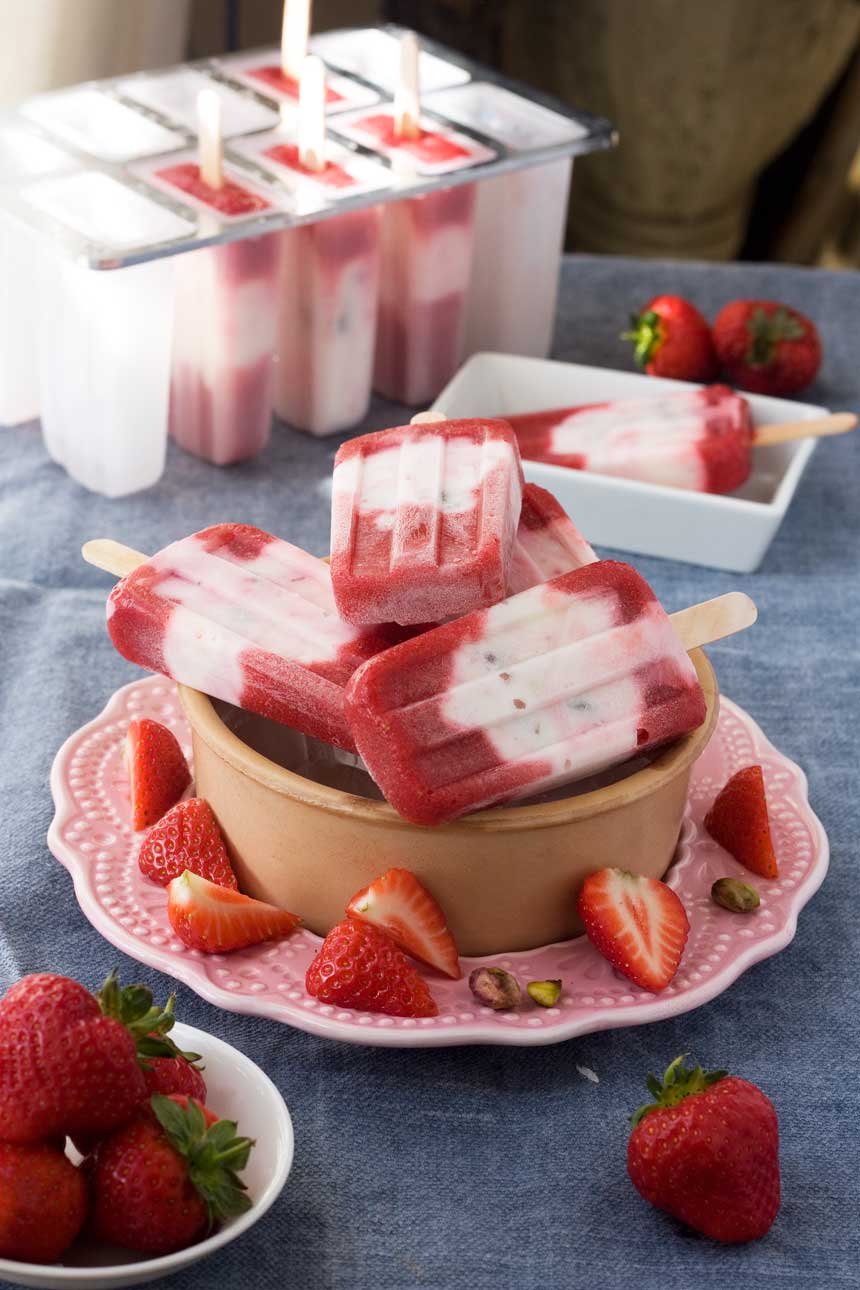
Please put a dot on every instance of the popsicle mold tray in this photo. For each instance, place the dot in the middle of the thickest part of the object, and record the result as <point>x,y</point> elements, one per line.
<point>82,166</point>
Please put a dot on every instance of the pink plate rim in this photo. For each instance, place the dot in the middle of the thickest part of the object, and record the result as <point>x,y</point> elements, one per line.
<point>375,1031</point>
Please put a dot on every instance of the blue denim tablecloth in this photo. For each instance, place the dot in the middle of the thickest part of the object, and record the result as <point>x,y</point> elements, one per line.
<point>494,1168</point>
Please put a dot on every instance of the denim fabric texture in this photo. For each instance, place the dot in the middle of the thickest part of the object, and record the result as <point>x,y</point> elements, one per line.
<point>494,1168</point>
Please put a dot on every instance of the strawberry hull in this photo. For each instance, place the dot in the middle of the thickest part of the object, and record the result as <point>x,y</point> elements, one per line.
<point>248,619</point>
<point>696,439</point>
<point>560,682</point>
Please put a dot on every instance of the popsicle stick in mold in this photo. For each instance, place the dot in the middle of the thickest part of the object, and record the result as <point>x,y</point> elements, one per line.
<point>816,428</point>
<point>312,114</point>
<point>294,37</point>
<point>407,97</point>
<point>210,140</point>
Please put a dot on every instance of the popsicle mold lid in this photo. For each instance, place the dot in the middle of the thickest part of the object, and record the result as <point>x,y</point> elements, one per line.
<point>81,121</point>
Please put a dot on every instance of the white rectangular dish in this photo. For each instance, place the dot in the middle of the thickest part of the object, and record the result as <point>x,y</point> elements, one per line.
<point>721,532</point>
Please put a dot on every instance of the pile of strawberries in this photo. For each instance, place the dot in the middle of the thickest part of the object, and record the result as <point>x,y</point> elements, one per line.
<point>759,345</point>
<point>184,851</point>
<point>158,1171</point>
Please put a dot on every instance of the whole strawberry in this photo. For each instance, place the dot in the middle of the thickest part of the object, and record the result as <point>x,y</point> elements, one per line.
<point>166,1178</point>
<point>43,1202</point>
<point>767,347</point>
<point>187,837</point>
<point>359,966</point>
<point>65,1068</point>
<point>707,1151</point>
<point>671,338</point>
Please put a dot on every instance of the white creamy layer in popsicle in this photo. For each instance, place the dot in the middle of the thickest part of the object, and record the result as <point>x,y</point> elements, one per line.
<point>550,686</point>
<point>246,618</point>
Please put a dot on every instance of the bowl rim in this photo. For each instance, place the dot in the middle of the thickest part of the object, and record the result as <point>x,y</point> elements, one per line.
<point>675,760</point>
<point>144,1269</point>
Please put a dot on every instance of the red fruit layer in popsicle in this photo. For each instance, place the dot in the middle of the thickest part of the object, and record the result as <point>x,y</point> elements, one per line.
<point>274,78</point>
<point>331,175</point>
<point>230,199</point>
<point>429,146</point>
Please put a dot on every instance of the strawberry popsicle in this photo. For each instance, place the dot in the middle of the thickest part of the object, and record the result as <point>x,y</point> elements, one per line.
<point>329,297</point>
<point>695,439</point>
<point>221,386</point>
<point>548,542</point>
<point>246,618</point>
<point>423,521</point>
<point>550,686</point>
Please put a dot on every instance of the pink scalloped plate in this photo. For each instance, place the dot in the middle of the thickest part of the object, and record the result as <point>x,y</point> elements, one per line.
<point>91,835</point>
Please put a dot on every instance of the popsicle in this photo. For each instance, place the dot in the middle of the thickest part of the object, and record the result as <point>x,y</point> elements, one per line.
<point>222,378</point>
<point>548,542</point>
<point>698,439</point>
<point>552,685</point>
<point>243,616</point>
<point>330,287</point>
<point>427,244</point>
<point>423,521</point>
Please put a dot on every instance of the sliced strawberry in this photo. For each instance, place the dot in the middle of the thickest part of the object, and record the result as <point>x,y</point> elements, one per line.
<point>157,770</point>
<point>217,919</point>
<point>638,924</point>
<point>739,821</point>
<point>187,837</point>
<point>399,904</point>
<point>359,966</point>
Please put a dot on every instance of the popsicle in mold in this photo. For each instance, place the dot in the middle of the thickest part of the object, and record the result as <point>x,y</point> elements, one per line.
<point>423,521</point>
<point>560,682</point>
<point>244,617</point>
<point>548,542</point>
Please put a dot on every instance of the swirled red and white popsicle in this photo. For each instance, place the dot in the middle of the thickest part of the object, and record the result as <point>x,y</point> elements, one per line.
<point>247,618</point>
<point>696,439</point>
<point>548,542</point>
<point>552,685</point>
<point>424,519</point>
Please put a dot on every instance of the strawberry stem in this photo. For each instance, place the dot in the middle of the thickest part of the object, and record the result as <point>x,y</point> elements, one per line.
<point>767,331</point>
<point>214,1155</point>
<point>132,1006</point>
<point>678,1083</point>
<point>646,332</point>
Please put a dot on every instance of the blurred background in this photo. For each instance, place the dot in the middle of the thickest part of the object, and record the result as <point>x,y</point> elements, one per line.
<point>739,121</point>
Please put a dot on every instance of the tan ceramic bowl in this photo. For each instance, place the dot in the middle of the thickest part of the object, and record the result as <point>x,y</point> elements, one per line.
<point>508,878</point>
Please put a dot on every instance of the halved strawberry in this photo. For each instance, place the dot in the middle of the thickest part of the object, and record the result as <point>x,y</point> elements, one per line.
<point>359,966</point>
<point>217,919</point>
<point>638,924</point>
<point>399,904</point>
<point>157,770</point>
<point>738,820</point>
<point>187,837</point>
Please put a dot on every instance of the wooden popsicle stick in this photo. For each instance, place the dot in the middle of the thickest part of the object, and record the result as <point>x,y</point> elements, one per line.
<point>407,97</point>
<point>112,556</point>
<point>817,428</point>
<point>210,141</point>
<point>294,36</point>
<point>427,418</point>
<point>312,114</point>
<point>713,619</point>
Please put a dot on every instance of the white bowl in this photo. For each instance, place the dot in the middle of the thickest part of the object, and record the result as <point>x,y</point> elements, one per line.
<point>723,532</point>
<point>236,1090</point>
